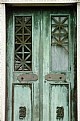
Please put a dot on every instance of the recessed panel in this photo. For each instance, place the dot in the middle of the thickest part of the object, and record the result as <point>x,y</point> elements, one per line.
<point>22,102</point>
<point>59,102</point>
<point>59,42</point>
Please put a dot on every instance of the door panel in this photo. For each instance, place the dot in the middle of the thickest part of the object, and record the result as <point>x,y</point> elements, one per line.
<point>22,102</point>
<point>40,64</point>
<point>23,62</point>
<point>58,60</point>
<point>59,102</point>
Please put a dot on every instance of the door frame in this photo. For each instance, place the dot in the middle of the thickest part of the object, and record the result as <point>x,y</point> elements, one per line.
<point>3,59</point>
<point>43,63</point>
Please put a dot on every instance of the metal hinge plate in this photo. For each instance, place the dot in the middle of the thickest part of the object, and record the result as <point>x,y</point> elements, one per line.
<point>55,77</point>
<point>27,77</point>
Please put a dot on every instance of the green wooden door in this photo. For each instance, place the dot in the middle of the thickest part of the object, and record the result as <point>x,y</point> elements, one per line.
<point>41,78</point>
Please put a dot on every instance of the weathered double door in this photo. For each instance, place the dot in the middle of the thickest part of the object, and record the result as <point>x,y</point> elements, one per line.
<point>40,64</point>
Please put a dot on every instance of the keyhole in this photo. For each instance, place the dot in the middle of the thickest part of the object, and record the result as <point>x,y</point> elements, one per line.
<point>22,78</point>
<point>49,77</point>
<point>60,77</point>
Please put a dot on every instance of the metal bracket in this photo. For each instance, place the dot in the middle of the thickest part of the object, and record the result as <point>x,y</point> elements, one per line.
<point>55,77</point>
<point>22,112</point>
<point>60,112</point>
<point>27,77</point>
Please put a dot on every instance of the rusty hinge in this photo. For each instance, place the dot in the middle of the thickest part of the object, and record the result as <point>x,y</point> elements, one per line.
<point>27,77</point>
<point>55,77</point>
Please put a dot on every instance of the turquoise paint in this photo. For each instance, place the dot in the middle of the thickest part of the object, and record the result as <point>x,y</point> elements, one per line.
<point>40,97</point>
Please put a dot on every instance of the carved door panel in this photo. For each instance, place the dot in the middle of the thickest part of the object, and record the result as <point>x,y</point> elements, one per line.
<point>40,64</point>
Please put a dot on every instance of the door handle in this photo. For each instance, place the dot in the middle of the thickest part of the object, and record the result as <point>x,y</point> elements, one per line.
<point>55,77</point>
